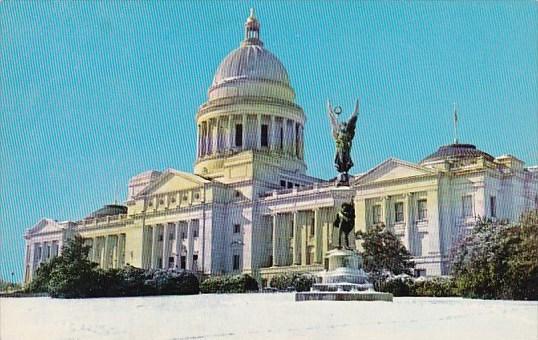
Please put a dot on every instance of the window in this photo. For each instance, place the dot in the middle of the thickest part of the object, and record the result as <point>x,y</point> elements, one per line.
<point>195,232</point>
<point>422,209</point>
<point>171,236</point>
<point>399,212</point>
<point>290,185</point>
<point>194,262</point>
<point>467,206</point>
<point>297,185</point>
<point>197,196</point>
<point>493,206</point>
<point>160,237</point>
<point>236,259</point>
<point>312,227</point>
<point>281,142</point>
<point>376,213</point>
<point>160,262</point>
<point>183,236</point>
<point>264,135</point>
<point>183,262</point>
<point>420,272</point>
<point>292,227</point>
<point>171,262</point>
<point>238,135</point>
<point>283,183</point>
<point>237,228</point>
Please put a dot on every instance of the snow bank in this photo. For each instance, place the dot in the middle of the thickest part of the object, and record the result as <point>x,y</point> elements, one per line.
<point>265,316</point>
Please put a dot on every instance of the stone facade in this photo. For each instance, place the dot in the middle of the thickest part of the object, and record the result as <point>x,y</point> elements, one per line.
<point>250,206</point>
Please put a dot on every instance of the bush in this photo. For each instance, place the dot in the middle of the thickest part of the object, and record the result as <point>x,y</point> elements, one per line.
<point>72,275</point>
<point>498,260</point>
<point>436,287</point>
<point>229,284</point>
<point>300,282</point>
<point>407,286</point>
<point>397,286</point>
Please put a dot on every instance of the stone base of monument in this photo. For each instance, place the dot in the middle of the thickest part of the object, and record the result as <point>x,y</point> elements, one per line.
<point>344,280</point>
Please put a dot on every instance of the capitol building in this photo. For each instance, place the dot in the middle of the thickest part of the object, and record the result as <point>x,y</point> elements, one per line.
<point>250,207</point>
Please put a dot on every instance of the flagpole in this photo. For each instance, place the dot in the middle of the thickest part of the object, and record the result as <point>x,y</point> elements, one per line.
<point>455,125</point>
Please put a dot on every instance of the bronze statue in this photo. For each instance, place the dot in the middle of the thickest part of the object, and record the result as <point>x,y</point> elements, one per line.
<point>345,222</point>
<point>343,134</point>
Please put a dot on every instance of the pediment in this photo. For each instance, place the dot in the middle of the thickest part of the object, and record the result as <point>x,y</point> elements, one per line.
<point>393,169</point>
<point>173,180</point>
<point>46,225</point>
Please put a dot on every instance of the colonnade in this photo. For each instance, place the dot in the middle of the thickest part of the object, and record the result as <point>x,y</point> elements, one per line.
<point>171,245</point>
<point>250,131</point>
<point>108,250</point>
<point>302,237</point>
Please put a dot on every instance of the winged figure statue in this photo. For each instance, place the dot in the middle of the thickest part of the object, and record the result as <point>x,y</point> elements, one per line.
<point>343,133</point>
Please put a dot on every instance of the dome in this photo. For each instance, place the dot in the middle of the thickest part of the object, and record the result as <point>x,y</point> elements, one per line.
<point>251,71</point>
<point>455,152</point>
<point>252,62</point>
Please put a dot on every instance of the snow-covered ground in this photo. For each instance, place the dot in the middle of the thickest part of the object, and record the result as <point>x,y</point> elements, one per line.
<point>265,316</point>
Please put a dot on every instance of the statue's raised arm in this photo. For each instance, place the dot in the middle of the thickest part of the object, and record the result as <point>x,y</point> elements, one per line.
<point>343,134</point>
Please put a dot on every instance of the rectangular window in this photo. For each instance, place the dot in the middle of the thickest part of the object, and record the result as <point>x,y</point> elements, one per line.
<point>283,184</point>
<point>160,237</point>
<point>171,262</point>
<point>237,228</point>
<point>183,262</point>
<point>312,227</point>
<point>195,232</point>
<point>376,213</point>
<point>160,262</point>
<point>467,206</point>
<point>236,259</point>
<point>493,206</point>
<point>292,227</point>
<point>422,209</point>
<point>399,212</point>
<point>183,235</point>
<point>290,185</point>
<point>239,135</point>
<point>281,142</point>
<point>265,135</point>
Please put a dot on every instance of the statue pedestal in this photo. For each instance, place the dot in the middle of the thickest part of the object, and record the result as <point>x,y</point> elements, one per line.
<point>345,280</point>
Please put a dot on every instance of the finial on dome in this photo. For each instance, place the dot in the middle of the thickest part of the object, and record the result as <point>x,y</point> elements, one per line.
<point>252,30</point>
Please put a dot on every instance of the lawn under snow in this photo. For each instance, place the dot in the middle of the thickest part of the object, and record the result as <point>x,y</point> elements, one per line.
<point>265,316</point>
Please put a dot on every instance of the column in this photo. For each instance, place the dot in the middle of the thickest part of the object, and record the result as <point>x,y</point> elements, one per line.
<point>304,236</point>
<point>178,245</point>
<point>433,223</point>
<point>216,136</point>
<point>296,239</point>
<point>258,131</point>
<point>325,226</point>
<point>293,139</point>
<point>273,138</point>
<point>276,260</point>
<point>121,251</point>
<point>104,258</point>
<point>317,236</point>
<point>166,244</point>
<point>190,245</point>
<point>229,133</point>
<point>408,232</point>
<point>386,210</point>
<point>154,237</point>
<point>95,251</point>
<point>244,122</point>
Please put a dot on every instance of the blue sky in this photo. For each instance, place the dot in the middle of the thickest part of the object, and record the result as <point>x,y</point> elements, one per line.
<point>93,93</point>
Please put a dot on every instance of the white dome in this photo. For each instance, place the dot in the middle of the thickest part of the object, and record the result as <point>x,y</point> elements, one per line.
<point>252,62</point>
